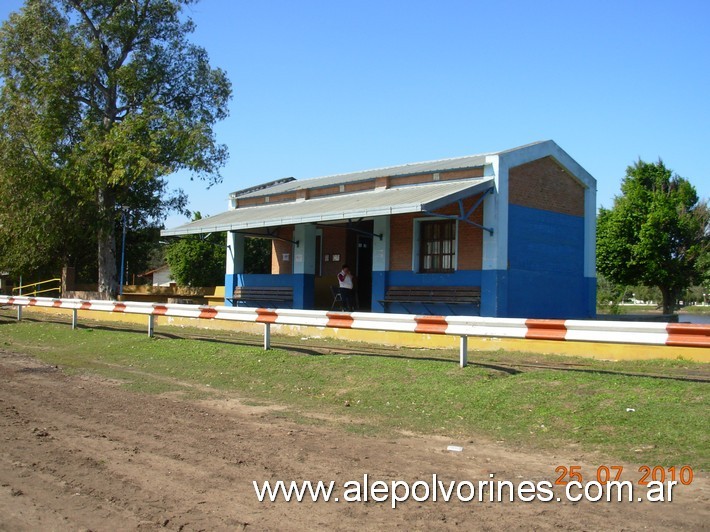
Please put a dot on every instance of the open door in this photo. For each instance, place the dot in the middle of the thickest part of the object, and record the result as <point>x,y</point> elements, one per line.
<point>363,272</point>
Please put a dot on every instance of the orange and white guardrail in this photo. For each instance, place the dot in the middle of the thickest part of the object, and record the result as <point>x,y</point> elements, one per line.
<point>647,333</point>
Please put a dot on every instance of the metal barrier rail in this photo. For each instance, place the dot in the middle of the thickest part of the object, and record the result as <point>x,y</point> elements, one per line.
<point>670,334</point>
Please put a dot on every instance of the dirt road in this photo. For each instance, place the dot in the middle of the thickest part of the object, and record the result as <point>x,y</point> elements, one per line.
<point>82,453</point>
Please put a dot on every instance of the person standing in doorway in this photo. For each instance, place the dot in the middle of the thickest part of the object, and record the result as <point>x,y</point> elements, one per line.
<point>345,282</point>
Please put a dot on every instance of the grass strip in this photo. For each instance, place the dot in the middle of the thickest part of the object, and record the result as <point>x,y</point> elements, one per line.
<point>596,407</point>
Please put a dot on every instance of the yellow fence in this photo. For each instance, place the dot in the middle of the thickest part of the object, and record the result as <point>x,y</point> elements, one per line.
<point>39,288</point>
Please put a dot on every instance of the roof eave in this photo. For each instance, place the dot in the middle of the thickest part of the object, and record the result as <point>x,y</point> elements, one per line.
<point>332,214</point>
<point>439,203</point>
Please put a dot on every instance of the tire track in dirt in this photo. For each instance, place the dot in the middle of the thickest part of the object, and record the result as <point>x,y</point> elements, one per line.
<point>83,453</point>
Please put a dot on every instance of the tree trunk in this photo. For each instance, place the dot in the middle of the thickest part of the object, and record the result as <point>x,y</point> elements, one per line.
<point>108,287</point>
<point>668,299</point>
<point>68,280</point>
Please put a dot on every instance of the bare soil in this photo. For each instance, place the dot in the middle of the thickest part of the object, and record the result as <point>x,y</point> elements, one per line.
<point>83,453</point>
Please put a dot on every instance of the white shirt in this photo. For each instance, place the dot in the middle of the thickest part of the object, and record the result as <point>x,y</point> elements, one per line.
<point>345,280</point>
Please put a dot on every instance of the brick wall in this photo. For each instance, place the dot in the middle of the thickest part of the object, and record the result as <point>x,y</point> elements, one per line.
<point>430,178</point>
<point>470,238</point>
<point>359,186</point>
<point>335,241</point>
<point>401,228</point>
<point>544,184</point>
<point>279,248</point>
<point>461,174</point>
<point>324,191</point>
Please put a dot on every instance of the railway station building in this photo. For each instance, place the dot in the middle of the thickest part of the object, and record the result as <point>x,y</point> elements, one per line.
<point>503,234</point>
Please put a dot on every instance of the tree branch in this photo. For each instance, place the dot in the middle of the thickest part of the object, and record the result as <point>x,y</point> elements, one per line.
<point>30,147</point>
<point>97,34</point>
<point>129,45</point>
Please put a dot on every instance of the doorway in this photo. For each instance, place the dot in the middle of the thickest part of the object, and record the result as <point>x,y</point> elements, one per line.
<point>363,272</point>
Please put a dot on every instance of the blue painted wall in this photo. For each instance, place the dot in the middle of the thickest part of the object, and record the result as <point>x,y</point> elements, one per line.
<point>546,265</point>
<point>302,288</point>
<point>545,278</point>
<point>494,293</point>
<point>379,286</point>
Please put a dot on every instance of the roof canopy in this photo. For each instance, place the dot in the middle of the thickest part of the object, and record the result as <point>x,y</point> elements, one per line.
<point>409,188</point>
<point>380,202</point>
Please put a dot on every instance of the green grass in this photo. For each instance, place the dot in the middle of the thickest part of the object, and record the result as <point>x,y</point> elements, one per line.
<point>424,391</point>
<point>654,309</point>
<point>696,309</point>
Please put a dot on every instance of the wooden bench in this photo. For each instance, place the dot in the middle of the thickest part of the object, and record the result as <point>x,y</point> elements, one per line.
<point>217,298</point>
<point>268,294</point>
<point>424,295</point>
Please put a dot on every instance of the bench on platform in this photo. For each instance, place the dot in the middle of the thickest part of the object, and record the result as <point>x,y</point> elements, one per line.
<point>430,295</point>
<point>265,294</point>
<point>217,298</point>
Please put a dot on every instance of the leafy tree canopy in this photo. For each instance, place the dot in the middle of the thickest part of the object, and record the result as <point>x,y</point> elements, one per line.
<point>100,101</point>
<point>199,260</point>
<point>655,234</point>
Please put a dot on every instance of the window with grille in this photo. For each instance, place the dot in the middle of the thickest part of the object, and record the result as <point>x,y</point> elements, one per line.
<point>437,246</point>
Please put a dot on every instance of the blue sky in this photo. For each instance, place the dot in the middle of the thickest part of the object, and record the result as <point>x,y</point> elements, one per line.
<point>324,87</point>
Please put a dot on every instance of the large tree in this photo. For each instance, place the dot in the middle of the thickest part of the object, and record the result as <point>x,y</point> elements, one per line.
<point>100,101</point>
<point>655,233</point>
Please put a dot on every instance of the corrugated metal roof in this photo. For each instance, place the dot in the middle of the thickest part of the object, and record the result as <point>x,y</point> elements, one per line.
<point>459,163</point>
<point>398,200</point>
<point>440,165</point>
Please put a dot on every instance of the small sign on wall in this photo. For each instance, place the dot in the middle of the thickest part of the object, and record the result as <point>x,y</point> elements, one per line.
<point>336,257</point>
<point>286,257</point>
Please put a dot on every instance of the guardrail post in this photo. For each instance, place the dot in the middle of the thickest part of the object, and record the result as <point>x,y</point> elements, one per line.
<point>74,318</point>
<point>267,336</point>
<point>151,325</point>
<point>463,351</point>
<point>19,312</point>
